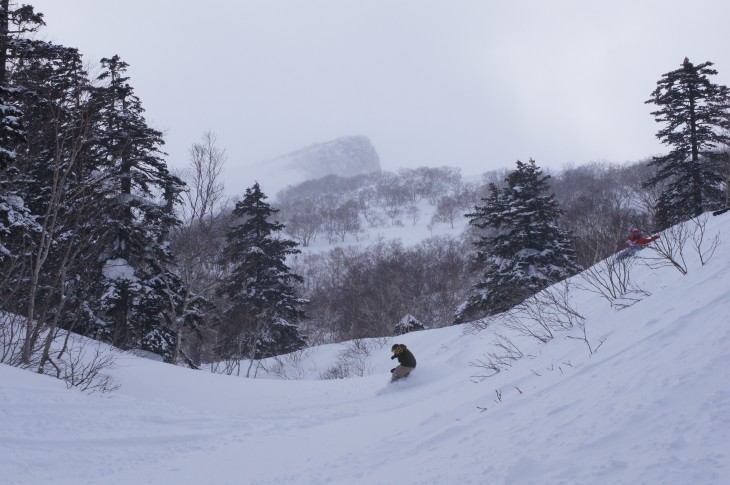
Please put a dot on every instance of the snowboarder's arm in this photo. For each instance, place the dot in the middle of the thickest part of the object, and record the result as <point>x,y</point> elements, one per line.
<point>646,240</point>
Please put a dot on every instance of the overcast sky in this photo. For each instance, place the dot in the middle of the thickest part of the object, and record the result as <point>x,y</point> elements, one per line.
<point>473,84</point>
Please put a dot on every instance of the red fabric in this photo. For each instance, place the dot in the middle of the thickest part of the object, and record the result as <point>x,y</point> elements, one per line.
<point>634,240</point>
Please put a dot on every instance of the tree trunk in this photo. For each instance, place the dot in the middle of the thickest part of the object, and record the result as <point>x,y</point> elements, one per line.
<point>4,6</point>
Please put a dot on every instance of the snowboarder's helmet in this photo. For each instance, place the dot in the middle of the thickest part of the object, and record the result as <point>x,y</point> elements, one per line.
<point>635,231</point>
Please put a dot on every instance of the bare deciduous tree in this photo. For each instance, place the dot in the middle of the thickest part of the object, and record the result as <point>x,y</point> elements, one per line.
<point>290,366</point>
<point>505,353</point>
<point>353,360</point>
<point>611,278</point>
<point>413,213</point>
<point>198,242</point>
<point>545,313</point>
<point>83,364</point>
<point>704,244</point>
<point>584,338</point>
<point>670,249</point>
<point>205,190</point>
<point>447,210</point>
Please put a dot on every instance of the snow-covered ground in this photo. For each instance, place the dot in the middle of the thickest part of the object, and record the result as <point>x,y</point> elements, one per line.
<point>650,406</point>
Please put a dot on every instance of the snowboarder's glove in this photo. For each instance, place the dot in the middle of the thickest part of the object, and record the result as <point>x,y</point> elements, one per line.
<point>392,370</point>
<point>393,357</point>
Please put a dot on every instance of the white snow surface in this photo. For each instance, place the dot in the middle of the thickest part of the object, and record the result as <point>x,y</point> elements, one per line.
<point>118,269</point>
<point>650,406</point>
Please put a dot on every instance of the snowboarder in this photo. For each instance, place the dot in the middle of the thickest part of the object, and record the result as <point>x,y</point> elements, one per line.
<point>635,242</point>
<point>406,360</point>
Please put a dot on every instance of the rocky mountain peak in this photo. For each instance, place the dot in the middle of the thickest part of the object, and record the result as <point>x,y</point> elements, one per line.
<point>345,156</point>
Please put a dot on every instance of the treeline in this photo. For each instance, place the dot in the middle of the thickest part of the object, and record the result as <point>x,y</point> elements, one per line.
<point>87,206</point>
<point>599,201</point>
<point>358,293</point>
<point>335,207</point>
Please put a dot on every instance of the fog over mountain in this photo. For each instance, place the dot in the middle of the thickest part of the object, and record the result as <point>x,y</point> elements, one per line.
<point>345,156</point>
<point>476,85</point>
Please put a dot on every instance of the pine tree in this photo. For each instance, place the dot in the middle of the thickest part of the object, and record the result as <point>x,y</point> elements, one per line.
<point>54,88</point>
<point>16,221</point>
<point>408,324</point>
<point>521,250</point>
<point>15,21</point>
<point>136,201</point>
<point>18,226</point>
<point>263,309</point>
<point>11,131</point>
<point>12,207</point>
<point>695,113</point>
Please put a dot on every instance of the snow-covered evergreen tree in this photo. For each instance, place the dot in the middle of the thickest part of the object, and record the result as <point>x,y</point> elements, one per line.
<point>407,324</point>
<point>11,131</point>
<point>263,307</point>
<point>696,115</point>
<point>521,249</point>
<point>17,223</point>
<point>54,87</point>
<point>136,201</point>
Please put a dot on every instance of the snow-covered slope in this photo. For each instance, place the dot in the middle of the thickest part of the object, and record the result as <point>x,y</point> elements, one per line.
<point>650,406</point>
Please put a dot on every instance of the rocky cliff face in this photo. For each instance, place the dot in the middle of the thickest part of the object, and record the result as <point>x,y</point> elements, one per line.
<point>350,155</point>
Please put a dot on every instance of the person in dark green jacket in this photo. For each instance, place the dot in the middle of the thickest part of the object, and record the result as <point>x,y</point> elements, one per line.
<point>406,360</point>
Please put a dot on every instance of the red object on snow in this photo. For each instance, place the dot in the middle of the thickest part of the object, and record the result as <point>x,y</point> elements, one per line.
<point>637,240</point>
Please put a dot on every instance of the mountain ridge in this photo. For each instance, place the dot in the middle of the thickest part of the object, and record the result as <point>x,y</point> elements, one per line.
<point>344,156</point>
